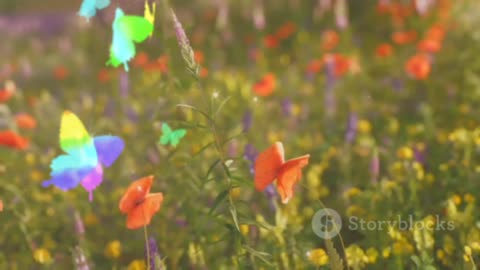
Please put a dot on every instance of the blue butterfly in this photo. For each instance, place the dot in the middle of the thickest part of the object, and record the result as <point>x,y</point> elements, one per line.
<point>89,8</point>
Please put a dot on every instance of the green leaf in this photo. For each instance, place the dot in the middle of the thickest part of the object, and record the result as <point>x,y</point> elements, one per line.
<point>233,211</point>
<point>219,199</point>
<point>211,168</point>
<point>336,263</point>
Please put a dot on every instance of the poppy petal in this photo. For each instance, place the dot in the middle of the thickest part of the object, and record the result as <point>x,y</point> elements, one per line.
<point>289,174</point>
<point>267,165</point>
<point>136,192</point>
<point>142,214</point>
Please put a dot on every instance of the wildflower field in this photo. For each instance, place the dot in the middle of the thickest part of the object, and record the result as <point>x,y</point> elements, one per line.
<point>221,134</point>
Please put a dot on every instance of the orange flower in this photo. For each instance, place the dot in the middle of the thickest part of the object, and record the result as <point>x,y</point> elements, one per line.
<point>271,42</point>
<point>315,66</point>
<point>286,30</point>
<point>429,46</point>
<point>25,121</point>
<point>436,32</point>
<point>1,205</point>
<point>418,66</point>
<point>6,94</point>
<point>383,7</point>
<point>271,165</point>
<point>330,40</point>
<point>203,72</point>
<point>199,57</point>
<point>138,204</point>
<point>103,75</point>
<point>266,85</point>
<point>11,139</point>
<point>160,64</point>
<point>384,50</point>
<point>341,63</point>
<point>60,73</point>
<point>404,37</point>
<point>140,60</point>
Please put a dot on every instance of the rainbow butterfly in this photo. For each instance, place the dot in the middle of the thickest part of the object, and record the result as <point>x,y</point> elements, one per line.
<point>89,8</point>
<point>171,136</point>
<point>126,31</point>
<point>85,158</point>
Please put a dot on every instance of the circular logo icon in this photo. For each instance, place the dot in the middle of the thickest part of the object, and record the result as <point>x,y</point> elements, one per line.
<point>326,223</point>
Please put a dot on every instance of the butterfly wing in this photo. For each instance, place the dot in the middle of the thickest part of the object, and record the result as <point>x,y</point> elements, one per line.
<point>149,13</point>
<point>136,28</point>
<point>108,148</point>
<point>87,9</point>
<point>142,214</point>
<point>122,48</point>
<point>101,4</point>
<point>69,170</point>
<point>93,180</point>
<point>166,134</point>
<point>267,165</point>
<point>290,173</point>
<point>176,136</point>
<point>135,193</point>
<point>75,140</point>
<point>66,172</point>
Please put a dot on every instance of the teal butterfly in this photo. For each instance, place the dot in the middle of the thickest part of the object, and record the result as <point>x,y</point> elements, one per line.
<point>171,136</point>
<point>89,8</point>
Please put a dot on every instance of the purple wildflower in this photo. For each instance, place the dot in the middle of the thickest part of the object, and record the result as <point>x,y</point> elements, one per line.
<point>250,154</point>
<point>351,128</point>
<point>287,107</point>
<point>247,121</point>
<point>79,259</point>
<point>152,155</point>
<point>153,249</point>
<point>330,103</point>
<point>124,84</point>
<point>341,16</point>
<point>259,15</point>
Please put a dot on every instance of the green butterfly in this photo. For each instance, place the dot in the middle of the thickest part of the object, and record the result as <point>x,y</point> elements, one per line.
<point>171,136</point>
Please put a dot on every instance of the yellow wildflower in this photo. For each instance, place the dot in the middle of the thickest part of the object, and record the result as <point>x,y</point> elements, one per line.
<point>372,255</point>
<point>244,229</point>
<point>137,265</point>
<point>405,153</point>
<point>364,126</point>
<point>356,257</point>
<point>317,257</point>
<point>113,249</point>
<point>42,256</point>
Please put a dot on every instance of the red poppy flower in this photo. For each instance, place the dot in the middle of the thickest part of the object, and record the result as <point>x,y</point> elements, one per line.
<point>429,46</point>
<point>138,204</point>
<point>60,73</point>
<point>266,85</point>
<point>11,139</point>
<point>140,60</point>
<point>6,94</point>
<point>330,40</point>
<point>384,50</point>
<point>404,37</point>
<point>25,121</point>
<point>103,75</point>
<point>315,66</point>
<point>286,30</point>
<point>418,66</point>
<point>271,42</point>
<point>341,63</point>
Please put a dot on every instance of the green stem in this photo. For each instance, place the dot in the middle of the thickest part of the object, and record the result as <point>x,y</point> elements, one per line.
<point>148,247</point>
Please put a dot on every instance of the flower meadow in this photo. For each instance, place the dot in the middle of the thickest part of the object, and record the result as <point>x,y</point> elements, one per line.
<point>286,134</point>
